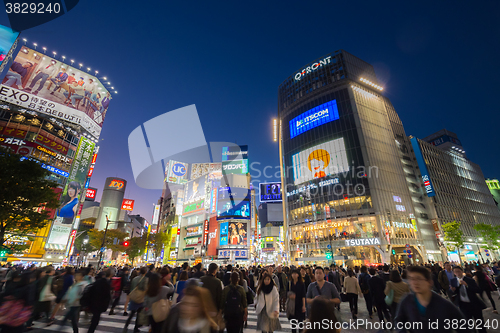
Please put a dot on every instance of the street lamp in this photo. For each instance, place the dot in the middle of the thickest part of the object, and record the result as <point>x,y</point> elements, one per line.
<point>104,237</point>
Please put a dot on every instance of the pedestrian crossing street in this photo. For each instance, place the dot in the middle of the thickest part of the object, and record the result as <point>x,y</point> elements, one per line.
<point>115,323</point>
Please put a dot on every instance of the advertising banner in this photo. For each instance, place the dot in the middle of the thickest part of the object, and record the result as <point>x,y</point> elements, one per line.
<point>315,117</point>
<point>234,193</point>
<point>196,190</point>
<point>212,237</point>
<point>270,192</point>
<point>234,153</point>
<point>223,233</point>
<point>227,209</point>
<point>194,231</point>
<point>176,172</point>
<point>41,83</point>
<point>7,41</point>
<point>326,159</point>
<point>195,207</point>
<point>62,225</point>
<point>128,204</point>
<point>90,194</point>
<point>237,233</point>
<point>239,167</point>
<point>201,169</point>
<point>429,188</point>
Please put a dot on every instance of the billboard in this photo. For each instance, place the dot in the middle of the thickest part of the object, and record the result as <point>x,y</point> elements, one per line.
<point>41,83</point>
<point>196,207</point>
<point>237,233</point>
<point>429,188</point>
<point>235,167</point>
<point>234,193</point>
<point>223,233</point>
<point>326,159</point>
<point>234,153</point>
<point>61,227</point>
<point>212,237</point>
<point>270,192</point>
<point>227,209</point>
<point>7,40</point>
<point>200,169</point>
<point>196,189</point>
<point>128,204</point>
<point>314,117</point>
<point>176,172</point>
<point>90,194</point>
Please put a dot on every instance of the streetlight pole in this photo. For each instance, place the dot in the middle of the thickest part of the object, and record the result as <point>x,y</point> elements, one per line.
<point>104,238</point>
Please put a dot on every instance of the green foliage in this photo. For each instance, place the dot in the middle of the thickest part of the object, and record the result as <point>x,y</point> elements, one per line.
<point>156,242</point>
<point>454,236</point>
<point>490,235</point>
<point>136,247</point>
<point>96,236</point>
<point>26,197</point>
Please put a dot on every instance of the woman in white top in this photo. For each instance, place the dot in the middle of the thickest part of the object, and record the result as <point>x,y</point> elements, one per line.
<point>268,305</point>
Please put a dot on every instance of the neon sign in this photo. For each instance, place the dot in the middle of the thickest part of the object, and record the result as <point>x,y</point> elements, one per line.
<point>314,117</point>
<point>313,67</point>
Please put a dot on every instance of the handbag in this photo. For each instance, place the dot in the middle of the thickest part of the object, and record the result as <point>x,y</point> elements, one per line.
<point>160,310</point>
<point>176,295</point>
<point>143,318</point>
<point>13,312</point>
<point>250,298</point>
<point>389,298</point>
<point>136,295</point>
<point>47,295</point>
<point>290,303</point>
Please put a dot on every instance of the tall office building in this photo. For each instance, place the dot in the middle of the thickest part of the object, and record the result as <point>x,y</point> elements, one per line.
<point>345,182</point>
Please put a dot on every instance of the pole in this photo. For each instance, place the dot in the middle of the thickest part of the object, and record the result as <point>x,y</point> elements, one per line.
<point>103,241</point>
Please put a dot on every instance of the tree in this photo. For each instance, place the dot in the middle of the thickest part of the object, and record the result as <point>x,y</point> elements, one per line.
<point>96,236</point>
<point>156,242</point>
<point>490,235</point>
<point>454,236</point>
<point>136,247</point>
<point>27,198</point>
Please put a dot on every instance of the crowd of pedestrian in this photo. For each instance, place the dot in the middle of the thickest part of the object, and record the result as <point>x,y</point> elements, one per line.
<point>205,300</point>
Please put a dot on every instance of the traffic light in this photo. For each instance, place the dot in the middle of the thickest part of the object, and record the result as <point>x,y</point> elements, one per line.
<point>393,251</point>
<point>328,256</point>
<point>126,243</point>
<point>3,253</point>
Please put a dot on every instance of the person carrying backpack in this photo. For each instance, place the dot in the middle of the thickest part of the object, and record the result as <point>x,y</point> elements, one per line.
<point>234,305</point>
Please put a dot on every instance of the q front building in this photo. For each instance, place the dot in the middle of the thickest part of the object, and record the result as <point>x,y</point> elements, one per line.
<point>347,193</point>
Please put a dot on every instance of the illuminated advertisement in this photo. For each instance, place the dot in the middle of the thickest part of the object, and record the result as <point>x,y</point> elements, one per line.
<point>200,169</point>
<point>238,254</point>
<point>212,237</point>
<point>7,40</point>
<point>194,231</point>
<point>429,188</point>
<point>315,117</point>
<point>61,227</point>
<point>128,204</point>
<point>48,167</point>
<point>38,82</point>
<point>156,215</point>
<point>196,189</point>
<point>234,153</point>
<point>223,233</point>
<point>312,68</point>
<point>90,194</point>
<point>239,167</point>
<point>227,209</point>
<point>196,207</point>
<point>326,159</point>
<point>213,201</point>
<point>237,233</point>
<point>270,192</point>
<point>234,193</point>
<point>176,172</point>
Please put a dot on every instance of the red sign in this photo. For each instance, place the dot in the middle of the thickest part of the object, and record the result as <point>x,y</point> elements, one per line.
<point>61,148</point>
<point>213,237</point>
<point>205,233</point>
<point>91,171</point>
<point>91,193</point>
<point>9,131</point>
<point>93,159</point>
<point>128,204</point>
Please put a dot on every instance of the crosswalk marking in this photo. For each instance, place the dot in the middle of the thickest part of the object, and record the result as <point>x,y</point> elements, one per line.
<point>116,323</point>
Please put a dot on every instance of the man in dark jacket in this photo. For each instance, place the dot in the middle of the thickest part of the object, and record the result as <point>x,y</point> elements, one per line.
<point>364,279</point>
<point>377,287</point>
<point>213,284</point>
<point>100,296</point>
<point>465,292</point>
<point>423,310</point>
<point>227,276</point>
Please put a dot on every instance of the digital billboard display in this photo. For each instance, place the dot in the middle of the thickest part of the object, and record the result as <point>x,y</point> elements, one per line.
<point>41,83</point>
<point>227,209</point>
<point>212,169</point>
<point>234,193</point>
<point>237,233</point>
<point>326,159</point>
<point>223,233</point>
<point>7,39</point>
<point>270,192</point>
<point>239,167</point>
<point>314,117</point>
<point>234,153</point>
<point>196,189</point>
<point>429,188</point>
<point>176,172</point>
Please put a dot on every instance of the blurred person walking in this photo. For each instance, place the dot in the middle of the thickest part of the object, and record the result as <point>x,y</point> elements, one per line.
<point>267,307</point>
<point>234,305</point>
<point>297,295</point>
<point>72,299</point>
<point>352,290</point>
<point>100,297</point>
<point>377,288</point>
<point>396,289</point>
<point>156,292</point>
<point>138,286</point>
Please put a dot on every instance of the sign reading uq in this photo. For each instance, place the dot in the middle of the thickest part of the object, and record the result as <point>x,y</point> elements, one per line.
<point>314,117</point>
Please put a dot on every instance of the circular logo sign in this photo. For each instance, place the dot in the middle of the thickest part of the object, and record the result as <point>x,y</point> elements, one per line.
<point>23,151</point>
<point>179,170</point>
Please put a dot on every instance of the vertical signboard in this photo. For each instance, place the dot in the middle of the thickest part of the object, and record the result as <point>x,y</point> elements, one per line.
<point>65,214</point>
<point>429,188</point>
<point>8,45</point>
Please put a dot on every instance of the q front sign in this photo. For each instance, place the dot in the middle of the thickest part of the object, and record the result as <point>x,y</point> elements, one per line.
<point>312,68</point>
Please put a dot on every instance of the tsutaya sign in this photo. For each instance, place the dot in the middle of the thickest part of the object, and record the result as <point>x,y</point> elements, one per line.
<point>362,242</point>
<point>311,68</point>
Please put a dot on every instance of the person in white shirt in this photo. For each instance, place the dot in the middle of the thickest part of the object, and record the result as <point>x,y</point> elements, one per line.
<point>89,90</point>
<point>43,74</point>
<point>77,94</point>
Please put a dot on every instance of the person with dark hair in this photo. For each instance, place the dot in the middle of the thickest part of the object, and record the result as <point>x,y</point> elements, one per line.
<point>444,278</point>
<point>465,291</point>
<point>140,282</point>
<point>267,307</point>
<point>322,288</point>
<point>283,286</point>
<point>297,293</point>
<point>305,277</point>
<point>213,284</point>
<point>227,276</point>
<point>364,279</point>
<point>322,311</point>
<point>68,208</point>
<point>100,297</point>
<point>123,276</point>
<point>67,281</point>
<point>352,289</point>
<point>155,292</point>
<point>377,287</point>
<point>16,73</point>
<point>486,285</point>
<point>397,288</point>
<point>180,286</point>
<point>72,298</point>
<point>234,305</point>
<point>424,306</point>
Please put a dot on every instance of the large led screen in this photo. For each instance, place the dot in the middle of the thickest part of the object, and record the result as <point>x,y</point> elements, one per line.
<point>237,233</point>
<point>7,39</point>
<point>234,193</point>
<point>227,209</point>
<point>326,159</point>
<point>195,189</point>
<point>48,86</point>
<point>315,117</point>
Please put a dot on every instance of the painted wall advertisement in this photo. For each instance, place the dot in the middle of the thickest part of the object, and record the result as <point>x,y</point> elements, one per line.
<point>62,225</point>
